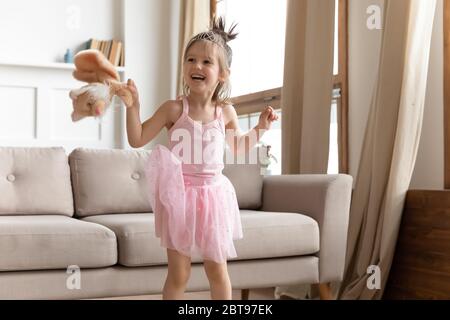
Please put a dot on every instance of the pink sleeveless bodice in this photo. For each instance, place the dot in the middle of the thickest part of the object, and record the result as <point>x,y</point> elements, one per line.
<point>200,146</point>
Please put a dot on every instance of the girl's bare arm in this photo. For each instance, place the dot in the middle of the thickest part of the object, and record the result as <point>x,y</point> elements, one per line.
<point>141,134</point>
<point>240,142</point>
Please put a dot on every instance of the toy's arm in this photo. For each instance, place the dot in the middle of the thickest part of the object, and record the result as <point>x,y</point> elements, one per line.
<point>121,90</point>
<point>93,66</point>
<point>86,76</point>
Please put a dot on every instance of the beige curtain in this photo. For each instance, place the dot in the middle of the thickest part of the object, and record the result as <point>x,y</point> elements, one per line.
<point>194,18</point>
<point>306,95</point>
<point>308,84</point>
<point>390,144</point>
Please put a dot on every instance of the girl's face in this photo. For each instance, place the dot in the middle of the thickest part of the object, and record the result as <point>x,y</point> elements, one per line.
<point>201,69</point>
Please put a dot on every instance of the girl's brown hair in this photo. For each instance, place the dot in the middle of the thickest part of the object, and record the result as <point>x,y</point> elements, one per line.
<point>218,36</point>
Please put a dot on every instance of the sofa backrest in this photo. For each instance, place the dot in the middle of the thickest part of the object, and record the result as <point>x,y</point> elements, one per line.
<point>35,181</point>
<point>113,181</point>
<point>109,181</point>
<point>247,180</point>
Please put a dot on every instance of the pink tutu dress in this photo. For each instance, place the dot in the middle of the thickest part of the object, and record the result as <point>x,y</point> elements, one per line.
<point>195,206</point>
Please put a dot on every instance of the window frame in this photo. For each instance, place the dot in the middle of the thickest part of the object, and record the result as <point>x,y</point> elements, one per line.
<point>341,82</point>
<point>255,102</point>
<point>212,9</point>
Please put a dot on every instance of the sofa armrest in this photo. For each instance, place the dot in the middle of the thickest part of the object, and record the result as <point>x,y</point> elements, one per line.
<point>326,199</point>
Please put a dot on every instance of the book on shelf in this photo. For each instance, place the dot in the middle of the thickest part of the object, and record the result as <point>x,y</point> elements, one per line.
<point>122,57</point>
<point>113,50</point>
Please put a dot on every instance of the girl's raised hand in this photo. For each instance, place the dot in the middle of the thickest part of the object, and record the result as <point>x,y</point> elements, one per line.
<point>134,92</point>
<point>124,90</point>
<point>267,117</point>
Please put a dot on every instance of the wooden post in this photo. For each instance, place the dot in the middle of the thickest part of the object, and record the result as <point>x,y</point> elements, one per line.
<point>324,290</point>
<point>244,294</point>
<point>212,9</point>
<point>343,84</point>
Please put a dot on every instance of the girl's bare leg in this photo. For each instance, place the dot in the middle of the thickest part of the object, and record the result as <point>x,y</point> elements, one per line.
<point>179,271</point>
<point>219,280</point>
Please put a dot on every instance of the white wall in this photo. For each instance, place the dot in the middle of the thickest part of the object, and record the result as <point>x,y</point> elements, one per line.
<point>34,32</point>
<point>364,48</point>
<point>40,31</point>
<point>151,37</point>
<point>429,169</point>
<point>34,35</point>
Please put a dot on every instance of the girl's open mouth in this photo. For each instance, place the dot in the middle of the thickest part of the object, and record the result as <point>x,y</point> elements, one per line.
<point>197,77</point>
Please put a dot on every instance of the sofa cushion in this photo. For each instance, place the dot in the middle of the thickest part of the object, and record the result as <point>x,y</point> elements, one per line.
<point>266,235</point>
<point>35,181</point>
<point>54,242</point>
<point>246,178</point>
<point>109,181</point>
<point>277,234</point>
<point>135,234</point>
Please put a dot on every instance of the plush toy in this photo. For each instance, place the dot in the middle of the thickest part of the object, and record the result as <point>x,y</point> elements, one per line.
<point>92,67</point>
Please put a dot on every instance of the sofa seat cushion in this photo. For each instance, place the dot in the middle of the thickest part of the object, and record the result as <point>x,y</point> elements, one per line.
<point>277,234</point>
<point>135,232</point>
<point>39,242</point>
<point>266,235</point>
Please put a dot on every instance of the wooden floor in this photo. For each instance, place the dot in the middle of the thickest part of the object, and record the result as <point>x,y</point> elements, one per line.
<point>255,294</point>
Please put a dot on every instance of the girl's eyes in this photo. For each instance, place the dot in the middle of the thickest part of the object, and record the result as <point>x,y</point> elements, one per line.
<point>205,61</point>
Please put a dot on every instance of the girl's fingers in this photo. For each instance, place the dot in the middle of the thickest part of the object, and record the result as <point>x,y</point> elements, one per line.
<point>269,114</point>
<point>273,116</point>
<point>131,83</point>
<point>131,86</point>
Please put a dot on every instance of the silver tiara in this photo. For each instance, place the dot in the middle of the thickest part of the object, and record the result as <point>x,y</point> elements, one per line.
<point>208,36</point>
<point>215,38</point>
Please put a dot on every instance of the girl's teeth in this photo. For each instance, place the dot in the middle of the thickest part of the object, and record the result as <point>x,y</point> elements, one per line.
<point>195,77</point>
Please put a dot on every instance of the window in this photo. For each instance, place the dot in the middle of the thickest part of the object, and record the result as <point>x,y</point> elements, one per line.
<point>271,138</point>
<point>340,94</point>
<point>258,51</point>
<point>258,67</point>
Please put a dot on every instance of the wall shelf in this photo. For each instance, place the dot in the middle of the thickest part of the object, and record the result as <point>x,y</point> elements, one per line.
<point>44,65</point>
<point>35,82</point>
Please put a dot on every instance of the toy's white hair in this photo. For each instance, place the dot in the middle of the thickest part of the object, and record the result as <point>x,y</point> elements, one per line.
<point>98,91</point>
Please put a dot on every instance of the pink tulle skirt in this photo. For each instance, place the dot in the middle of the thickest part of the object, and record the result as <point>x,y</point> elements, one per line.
<point>195,215</point>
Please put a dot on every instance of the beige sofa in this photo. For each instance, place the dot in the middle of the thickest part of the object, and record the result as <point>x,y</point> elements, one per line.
<point>89,211</point>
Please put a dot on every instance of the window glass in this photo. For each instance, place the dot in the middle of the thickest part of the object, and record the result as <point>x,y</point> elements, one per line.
<point>258,50</point>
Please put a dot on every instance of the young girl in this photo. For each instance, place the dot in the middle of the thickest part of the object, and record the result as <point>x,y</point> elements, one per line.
<point>195,206</point>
